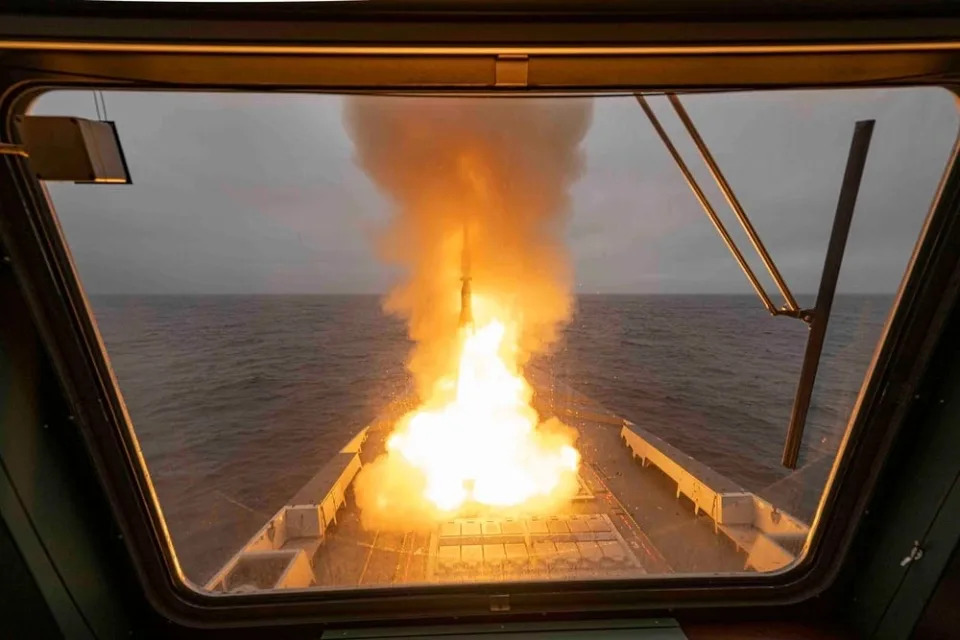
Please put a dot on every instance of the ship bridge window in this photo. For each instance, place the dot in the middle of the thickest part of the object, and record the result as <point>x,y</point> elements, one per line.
<point>407,340</point>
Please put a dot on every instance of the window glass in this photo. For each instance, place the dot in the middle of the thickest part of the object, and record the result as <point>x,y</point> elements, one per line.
<point>370,340</point>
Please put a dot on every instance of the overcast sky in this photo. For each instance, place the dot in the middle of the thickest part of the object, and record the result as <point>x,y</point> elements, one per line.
<point>238,193</point>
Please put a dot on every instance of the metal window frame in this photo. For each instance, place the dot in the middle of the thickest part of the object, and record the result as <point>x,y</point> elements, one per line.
<point>30,233</point>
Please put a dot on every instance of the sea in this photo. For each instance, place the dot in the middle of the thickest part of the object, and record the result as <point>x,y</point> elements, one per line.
<point>238,400</point>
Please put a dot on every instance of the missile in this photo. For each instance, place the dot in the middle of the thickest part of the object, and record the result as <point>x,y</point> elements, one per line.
<point>466,307</point>
<point>466,312</point>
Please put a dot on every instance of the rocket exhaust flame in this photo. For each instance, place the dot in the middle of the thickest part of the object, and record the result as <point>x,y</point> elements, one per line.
<point>480,190</point>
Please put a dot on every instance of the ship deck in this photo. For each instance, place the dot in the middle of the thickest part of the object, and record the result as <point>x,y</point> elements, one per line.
<point>632,523</point>
<point>632,517</point>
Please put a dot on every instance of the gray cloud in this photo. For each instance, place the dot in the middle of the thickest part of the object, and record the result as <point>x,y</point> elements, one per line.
<point>242,193</point>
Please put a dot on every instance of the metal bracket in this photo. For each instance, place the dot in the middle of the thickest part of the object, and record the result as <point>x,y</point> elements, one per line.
<point>916,552</point>
<point>800,314</point>
<point>73,149</point>
<point>512,70</point>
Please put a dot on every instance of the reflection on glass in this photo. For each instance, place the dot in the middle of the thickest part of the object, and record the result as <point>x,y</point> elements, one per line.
<point>372,341</point>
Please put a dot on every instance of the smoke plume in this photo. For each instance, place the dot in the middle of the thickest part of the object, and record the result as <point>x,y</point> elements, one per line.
<point>478,186</point>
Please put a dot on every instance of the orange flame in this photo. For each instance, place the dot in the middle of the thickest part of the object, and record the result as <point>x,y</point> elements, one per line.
<point>484,446</point>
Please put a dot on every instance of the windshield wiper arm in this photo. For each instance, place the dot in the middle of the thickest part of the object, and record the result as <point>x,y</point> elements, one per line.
<point>817,317</point>
<point>791,306</point>
<point>849,190</point>
<point>707,207</point>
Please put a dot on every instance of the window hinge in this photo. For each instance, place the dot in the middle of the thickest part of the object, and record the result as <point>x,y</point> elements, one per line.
<point>916,552</point>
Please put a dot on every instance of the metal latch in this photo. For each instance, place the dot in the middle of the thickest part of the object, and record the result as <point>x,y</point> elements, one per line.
<point>916,552</point>
<point>511,70</point>
<point>500,602</point>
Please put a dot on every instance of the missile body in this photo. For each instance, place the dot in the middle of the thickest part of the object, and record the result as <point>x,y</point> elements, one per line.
<point>466,304</point>
<point>466,310</point>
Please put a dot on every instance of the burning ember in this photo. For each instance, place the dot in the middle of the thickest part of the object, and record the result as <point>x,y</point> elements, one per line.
<point>484,446</point>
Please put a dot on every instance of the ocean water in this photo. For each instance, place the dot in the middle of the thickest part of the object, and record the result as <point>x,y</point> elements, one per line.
<point>238,400</point>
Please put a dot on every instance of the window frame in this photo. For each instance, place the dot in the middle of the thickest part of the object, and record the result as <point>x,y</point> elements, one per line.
<point>44,268</point>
